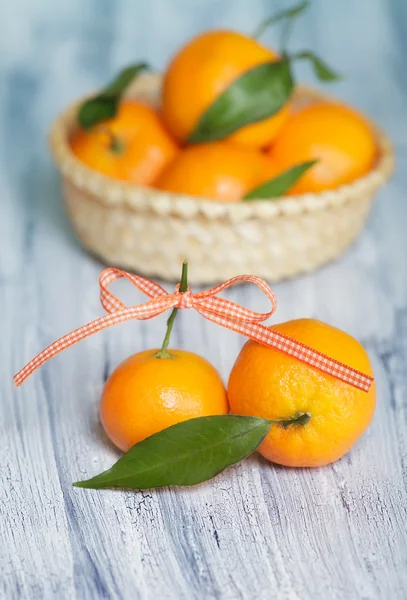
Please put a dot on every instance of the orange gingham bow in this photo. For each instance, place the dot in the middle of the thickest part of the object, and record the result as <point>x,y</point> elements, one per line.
<point>220,311</point>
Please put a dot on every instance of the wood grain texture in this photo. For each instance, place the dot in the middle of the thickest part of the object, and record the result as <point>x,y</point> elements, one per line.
<point>256,531</point>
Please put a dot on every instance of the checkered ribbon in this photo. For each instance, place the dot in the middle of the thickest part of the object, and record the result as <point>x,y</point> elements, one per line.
<point>220,311</point>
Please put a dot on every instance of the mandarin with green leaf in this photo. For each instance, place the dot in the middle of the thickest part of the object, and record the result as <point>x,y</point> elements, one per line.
<point>132,146</point>
<point>203,69</point>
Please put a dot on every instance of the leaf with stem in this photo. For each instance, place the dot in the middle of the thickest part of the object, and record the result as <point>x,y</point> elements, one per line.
<point>185,454</point>
<point>189,452</point>
<point>281,184</point>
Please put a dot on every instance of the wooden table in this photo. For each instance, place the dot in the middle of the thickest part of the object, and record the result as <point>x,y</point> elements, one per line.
<point>257,531</point>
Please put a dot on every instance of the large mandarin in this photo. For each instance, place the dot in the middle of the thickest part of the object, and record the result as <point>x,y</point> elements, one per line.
<point>267,383</point>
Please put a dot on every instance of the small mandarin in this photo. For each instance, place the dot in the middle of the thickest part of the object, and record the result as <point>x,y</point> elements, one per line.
<point>336,135</point>
<point>133,146</point>
<point>202,70</point>
<point>267,383</point>
<point>216,170</point>
<point>146,394</point>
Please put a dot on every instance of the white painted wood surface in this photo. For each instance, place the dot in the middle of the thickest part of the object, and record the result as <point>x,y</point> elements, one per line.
<point>256,531</point>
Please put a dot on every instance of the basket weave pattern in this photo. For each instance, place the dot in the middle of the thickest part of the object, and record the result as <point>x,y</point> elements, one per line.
<point>151,232</point>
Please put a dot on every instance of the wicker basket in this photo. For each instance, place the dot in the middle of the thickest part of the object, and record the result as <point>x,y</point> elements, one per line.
<point>150,231</point>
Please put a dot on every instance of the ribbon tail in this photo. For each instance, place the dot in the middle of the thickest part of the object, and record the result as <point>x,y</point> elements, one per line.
<point>141,312</point>
<point>313,358</point>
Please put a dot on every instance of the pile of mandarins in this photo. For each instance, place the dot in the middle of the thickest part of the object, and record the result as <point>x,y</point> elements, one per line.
<point>153,148</point>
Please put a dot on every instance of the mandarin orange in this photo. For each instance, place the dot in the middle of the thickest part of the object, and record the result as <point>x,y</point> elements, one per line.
<point>146,394</point>
<point>133,146</point>
<point>202,70</point>
<point>338,136</point>
<point>267,383</point>
<point>216,170</point>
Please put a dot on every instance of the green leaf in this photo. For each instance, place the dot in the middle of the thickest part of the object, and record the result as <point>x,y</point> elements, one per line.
<point>104,105</point>
<point>184,454</point>
<point>321,69</point>
<point>288,14</point>
<point>123,79</point>
<point>254,96</point>
<point>281,184</point>
<point>96,110</point>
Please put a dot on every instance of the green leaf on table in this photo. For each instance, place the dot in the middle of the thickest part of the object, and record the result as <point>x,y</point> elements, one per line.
<point>104,105</point>
<point>184,454</point>
<point>281,184</point>
<point>283,15</point>
<point>321,69</point>
<point>256,95</point>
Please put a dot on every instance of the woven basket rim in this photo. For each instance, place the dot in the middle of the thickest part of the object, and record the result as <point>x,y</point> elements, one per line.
<point>112,192</point>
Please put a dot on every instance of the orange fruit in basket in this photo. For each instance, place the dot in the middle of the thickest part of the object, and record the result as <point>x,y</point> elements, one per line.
<point>216,170</point>
<point>203,69</point>
<point>335,134</point>
<point>267,383</point>
<point>146,394</point>
<point>133,146</point>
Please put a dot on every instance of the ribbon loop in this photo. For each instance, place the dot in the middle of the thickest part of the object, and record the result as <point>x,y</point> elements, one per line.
<point>110,302</point>
<point>218,310</point>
